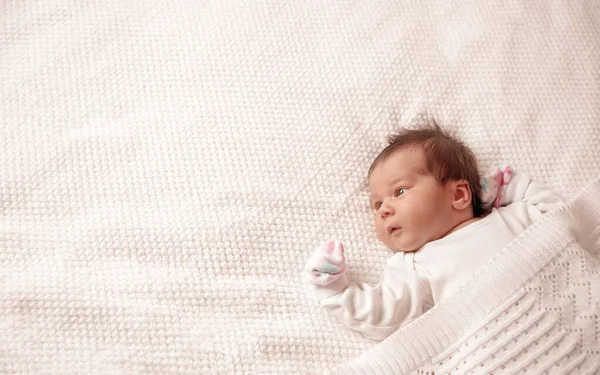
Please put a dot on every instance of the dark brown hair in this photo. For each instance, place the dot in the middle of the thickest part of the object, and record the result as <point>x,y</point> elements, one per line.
<point>446,157</point>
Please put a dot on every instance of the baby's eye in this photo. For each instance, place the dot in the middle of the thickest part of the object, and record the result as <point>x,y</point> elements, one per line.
<point>377,205</point>
<point>400,192</point>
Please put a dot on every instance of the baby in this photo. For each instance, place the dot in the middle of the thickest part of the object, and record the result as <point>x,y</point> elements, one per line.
<point>432,209</point>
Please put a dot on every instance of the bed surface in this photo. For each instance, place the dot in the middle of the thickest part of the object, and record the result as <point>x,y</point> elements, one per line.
<point>166,167</point>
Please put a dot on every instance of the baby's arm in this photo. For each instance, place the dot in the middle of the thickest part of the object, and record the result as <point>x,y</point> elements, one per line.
<point>534,193</point>
<point>377,311</point>
<point>502,187</point>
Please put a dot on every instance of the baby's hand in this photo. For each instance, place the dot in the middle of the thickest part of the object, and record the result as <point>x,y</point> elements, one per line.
<point>326,264</point>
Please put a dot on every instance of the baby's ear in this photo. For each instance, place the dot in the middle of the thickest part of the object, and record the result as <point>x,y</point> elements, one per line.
<point>461,194</point>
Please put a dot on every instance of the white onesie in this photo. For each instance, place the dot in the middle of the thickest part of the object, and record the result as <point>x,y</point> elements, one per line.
<point>413,282</point>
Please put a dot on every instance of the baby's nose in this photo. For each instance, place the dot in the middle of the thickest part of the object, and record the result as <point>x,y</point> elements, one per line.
<point>386,209</point>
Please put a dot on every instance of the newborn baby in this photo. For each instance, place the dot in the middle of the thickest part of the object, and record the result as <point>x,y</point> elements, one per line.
<point>432,209</point>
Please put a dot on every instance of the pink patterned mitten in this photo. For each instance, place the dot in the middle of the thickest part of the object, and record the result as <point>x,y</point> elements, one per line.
<point>494,183</point>
<point>327,263</point>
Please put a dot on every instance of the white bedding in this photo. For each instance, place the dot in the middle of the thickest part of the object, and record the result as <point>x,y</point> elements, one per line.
<point>166,167</point>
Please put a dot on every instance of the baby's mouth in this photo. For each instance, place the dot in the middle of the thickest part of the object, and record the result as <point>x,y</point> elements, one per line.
<point>394,230</point>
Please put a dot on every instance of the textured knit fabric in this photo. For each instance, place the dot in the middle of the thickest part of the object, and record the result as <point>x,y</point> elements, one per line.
<point>413,282</point>
<point>165,165</point>
<point>534,308</point>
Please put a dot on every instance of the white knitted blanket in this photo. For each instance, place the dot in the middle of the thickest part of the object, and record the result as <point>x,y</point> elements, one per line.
<point>166,167</point>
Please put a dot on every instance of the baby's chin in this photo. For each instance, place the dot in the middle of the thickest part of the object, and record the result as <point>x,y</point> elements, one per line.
<point>398,243</point>
<point>402,248</point>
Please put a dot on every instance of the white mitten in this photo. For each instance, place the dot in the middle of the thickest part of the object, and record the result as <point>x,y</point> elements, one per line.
<point>494,184</point>
<point>326,264</point>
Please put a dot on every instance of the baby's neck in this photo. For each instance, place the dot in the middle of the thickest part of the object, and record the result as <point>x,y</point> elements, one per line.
<point>462,224</point>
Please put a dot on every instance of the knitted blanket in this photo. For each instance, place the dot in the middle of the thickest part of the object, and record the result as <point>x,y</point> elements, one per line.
<point>166,167</point>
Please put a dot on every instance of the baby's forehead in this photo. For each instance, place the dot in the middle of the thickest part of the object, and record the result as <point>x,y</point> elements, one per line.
<point>401,162</point>
<point>396,168</point>
<point>389,175</point>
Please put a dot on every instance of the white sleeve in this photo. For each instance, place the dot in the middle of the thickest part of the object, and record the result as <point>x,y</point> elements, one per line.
<point>379,311</point>
<point>534,193</point>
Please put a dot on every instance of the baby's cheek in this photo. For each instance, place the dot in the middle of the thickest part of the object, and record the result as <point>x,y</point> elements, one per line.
<point>381,233</point>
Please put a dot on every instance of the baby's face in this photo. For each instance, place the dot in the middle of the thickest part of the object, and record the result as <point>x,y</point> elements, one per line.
<point>411,208</point>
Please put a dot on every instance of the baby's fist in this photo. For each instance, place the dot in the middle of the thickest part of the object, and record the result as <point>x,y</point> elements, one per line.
<point>327,263</point>
<point>494,184</point>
